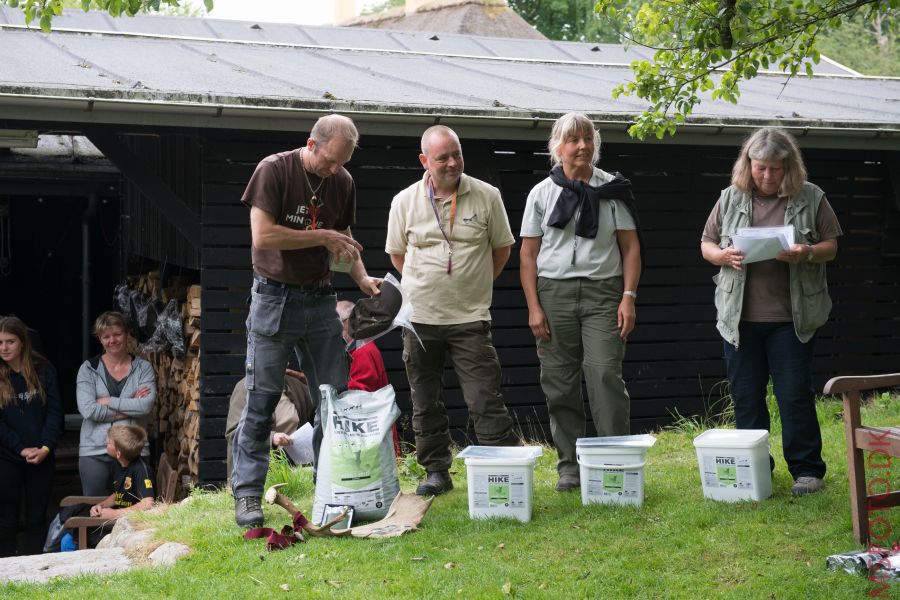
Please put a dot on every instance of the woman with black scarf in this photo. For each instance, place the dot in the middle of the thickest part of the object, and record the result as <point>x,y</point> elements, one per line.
<point>580,263</point>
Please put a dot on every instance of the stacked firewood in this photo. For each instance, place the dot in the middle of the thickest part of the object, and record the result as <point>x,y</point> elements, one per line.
<point>175,420</point>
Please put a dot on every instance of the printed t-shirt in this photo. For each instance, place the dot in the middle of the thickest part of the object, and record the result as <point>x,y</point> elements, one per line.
<point>281,187</point>
<point>132,483</point>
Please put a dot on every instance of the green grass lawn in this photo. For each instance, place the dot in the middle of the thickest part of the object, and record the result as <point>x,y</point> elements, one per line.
<point>678,545</point>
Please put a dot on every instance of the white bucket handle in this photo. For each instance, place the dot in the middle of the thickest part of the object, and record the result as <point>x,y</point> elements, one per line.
<point>639,465</point>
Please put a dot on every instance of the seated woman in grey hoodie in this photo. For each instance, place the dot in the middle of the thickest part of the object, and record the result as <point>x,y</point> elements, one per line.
<point>113,387</point>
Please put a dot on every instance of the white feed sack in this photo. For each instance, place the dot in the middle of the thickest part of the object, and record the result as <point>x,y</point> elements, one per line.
<point>356,460</point>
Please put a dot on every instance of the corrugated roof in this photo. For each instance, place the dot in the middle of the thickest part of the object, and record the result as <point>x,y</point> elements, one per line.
<point>207,73</point>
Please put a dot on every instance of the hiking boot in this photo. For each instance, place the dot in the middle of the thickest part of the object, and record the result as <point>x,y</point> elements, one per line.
<point>248,511</point>
<point>568,482</point>
<point>436,483</point>
<point>807,485</point>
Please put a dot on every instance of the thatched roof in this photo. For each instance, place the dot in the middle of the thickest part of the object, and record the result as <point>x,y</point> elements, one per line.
<point>489,18</point>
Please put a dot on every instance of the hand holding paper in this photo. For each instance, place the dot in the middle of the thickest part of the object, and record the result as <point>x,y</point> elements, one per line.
<point>300,450</point>
<point>763,243</point>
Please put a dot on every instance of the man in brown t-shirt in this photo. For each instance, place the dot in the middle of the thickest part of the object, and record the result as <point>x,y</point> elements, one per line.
<point>302,205</point>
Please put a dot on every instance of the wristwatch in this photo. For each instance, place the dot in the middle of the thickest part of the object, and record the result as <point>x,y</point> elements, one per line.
<point>631,293</point>
<point>809,255</point>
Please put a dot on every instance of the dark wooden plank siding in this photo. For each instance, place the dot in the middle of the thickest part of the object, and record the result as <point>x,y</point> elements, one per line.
<point>674,357</point>
<point>175,159</point>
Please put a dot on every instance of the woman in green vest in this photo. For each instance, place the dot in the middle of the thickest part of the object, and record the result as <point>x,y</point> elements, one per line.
<point>768,311</point>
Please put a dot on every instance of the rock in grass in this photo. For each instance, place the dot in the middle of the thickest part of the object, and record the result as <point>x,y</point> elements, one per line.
<point>44,567</point>
<point>168,553</point>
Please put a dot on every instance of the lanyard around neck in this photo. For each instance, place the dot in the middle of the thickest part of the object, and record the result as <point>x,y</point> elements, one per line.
<point>437,216</point>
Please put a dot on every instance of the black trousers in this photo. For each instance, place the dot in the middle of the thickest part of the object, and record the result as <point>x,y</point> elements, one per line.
<point>36,483</point>
<point>772,349</point>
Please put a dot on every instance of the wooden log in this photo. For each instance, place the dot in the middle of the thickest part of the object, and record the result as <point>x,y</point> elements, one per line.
<point>175,418</point>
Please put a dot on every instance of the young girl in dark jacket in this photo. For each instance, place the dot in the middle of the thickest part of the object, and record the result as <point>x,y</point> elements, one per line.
<point>31,421</point>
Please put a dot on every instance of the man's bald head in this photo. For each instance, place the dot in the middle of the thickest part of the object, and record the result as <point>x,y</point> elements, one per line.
<point>442,158</point>
<point>433,133</point>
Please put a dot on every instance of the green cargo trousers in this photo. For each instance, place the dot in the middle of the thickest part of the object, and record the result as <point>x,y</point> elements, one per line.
<point>478,370</point>
<point>584,338</point>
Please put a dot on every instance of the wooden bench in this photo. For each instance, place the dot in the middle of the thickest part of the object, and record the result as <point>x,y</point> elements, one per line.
<point>165,492</point>
<point>884,441</point>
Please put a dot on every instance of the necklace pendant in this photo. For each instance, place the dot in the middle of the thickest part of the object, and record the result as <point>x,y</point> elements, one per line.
<point>313,199</point>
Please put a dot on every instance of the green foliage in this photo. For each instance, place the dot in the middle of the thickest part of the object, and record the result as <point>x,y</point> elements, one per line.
<point>719,413</point>
<point>868,45</point>
<point>714,45</point>
<point>43,11</point>
<point>298,479</point>
<point>409,469</point>
<point>573,20</point>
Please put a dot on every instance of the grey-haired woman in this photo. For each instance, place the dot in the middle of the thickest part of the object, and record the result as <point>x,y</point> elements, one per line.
<point>579,265</point>
<point>768,312</point>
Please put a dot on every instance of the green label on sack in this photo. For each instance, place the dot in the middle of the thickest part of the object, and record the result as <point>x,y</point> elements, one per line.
<point>613,481</point>
<point>727,475</point>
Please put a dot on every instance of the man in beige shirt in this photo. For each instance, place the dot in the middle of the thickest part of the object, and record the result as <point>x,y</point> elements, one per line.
<point>449,237</point>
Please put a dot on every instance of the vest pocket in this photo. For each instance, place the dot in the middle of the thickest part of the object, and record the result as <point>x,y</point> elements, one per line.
<point>812,278</point>
<point>724,280</point>
<point>814,303</point>
<point>805,235</point>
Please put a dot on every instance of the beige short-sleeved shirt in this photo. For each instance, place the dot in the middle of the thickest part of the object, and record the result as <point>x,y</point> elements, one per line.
<point>481,225</point>
<point>562,255</point>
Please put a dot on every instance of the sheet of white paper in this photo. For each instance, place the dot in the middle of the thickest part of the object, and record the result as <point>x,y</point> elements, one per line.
<point>763,243</point>
<point>301,451</point>
<point>784,233</point>
<point>757,249</point>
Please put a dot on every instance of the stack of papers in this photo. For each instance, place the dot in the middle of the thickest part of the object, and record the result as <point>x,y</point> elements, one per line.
<point>301,449</point>
<point>763,243</point>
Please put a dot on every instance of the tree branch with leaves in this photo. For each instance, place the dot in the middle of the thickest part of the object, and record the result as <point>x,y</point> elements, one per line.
<point>43,11</point>
<point>711,46</point>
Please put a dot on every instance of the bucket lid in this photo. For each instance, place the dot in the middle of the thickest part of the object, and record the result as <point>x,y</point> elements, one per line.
<point>731,438</point>
<point>619,441</point>
<point>503,452</point>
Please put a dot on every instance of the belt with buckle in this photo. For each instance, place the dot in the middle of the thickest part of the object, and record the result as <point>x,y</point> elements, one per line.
<point>318,287</point>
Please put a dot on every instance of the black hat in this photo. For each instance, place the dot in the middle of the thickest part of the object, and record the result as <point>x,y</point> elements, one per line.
<point>375,315</point>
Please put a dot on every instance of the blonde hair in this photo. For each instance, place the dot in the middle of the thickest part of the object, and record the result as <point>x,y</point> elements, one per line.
<point>109,319</point>
<point>770,143</point>
<point>129,440</point>
<point>29,363</point>
<point>567,125</point>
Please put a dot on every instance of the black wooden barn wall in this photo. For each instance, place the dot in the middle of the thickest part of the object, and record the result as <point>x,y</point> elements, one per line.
<point>146,230</point>
<point>674,355</point>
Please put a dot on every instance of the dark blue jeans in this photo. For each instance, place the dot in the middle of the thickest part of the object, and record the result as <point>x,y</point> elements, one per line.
<point>773,349</point>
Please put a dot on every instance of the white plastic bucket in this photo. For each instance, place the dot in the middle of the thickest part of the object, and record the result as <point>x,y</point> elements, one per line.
<point>734,464</point>
<point>501,480</point>
<point>612,468</point>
